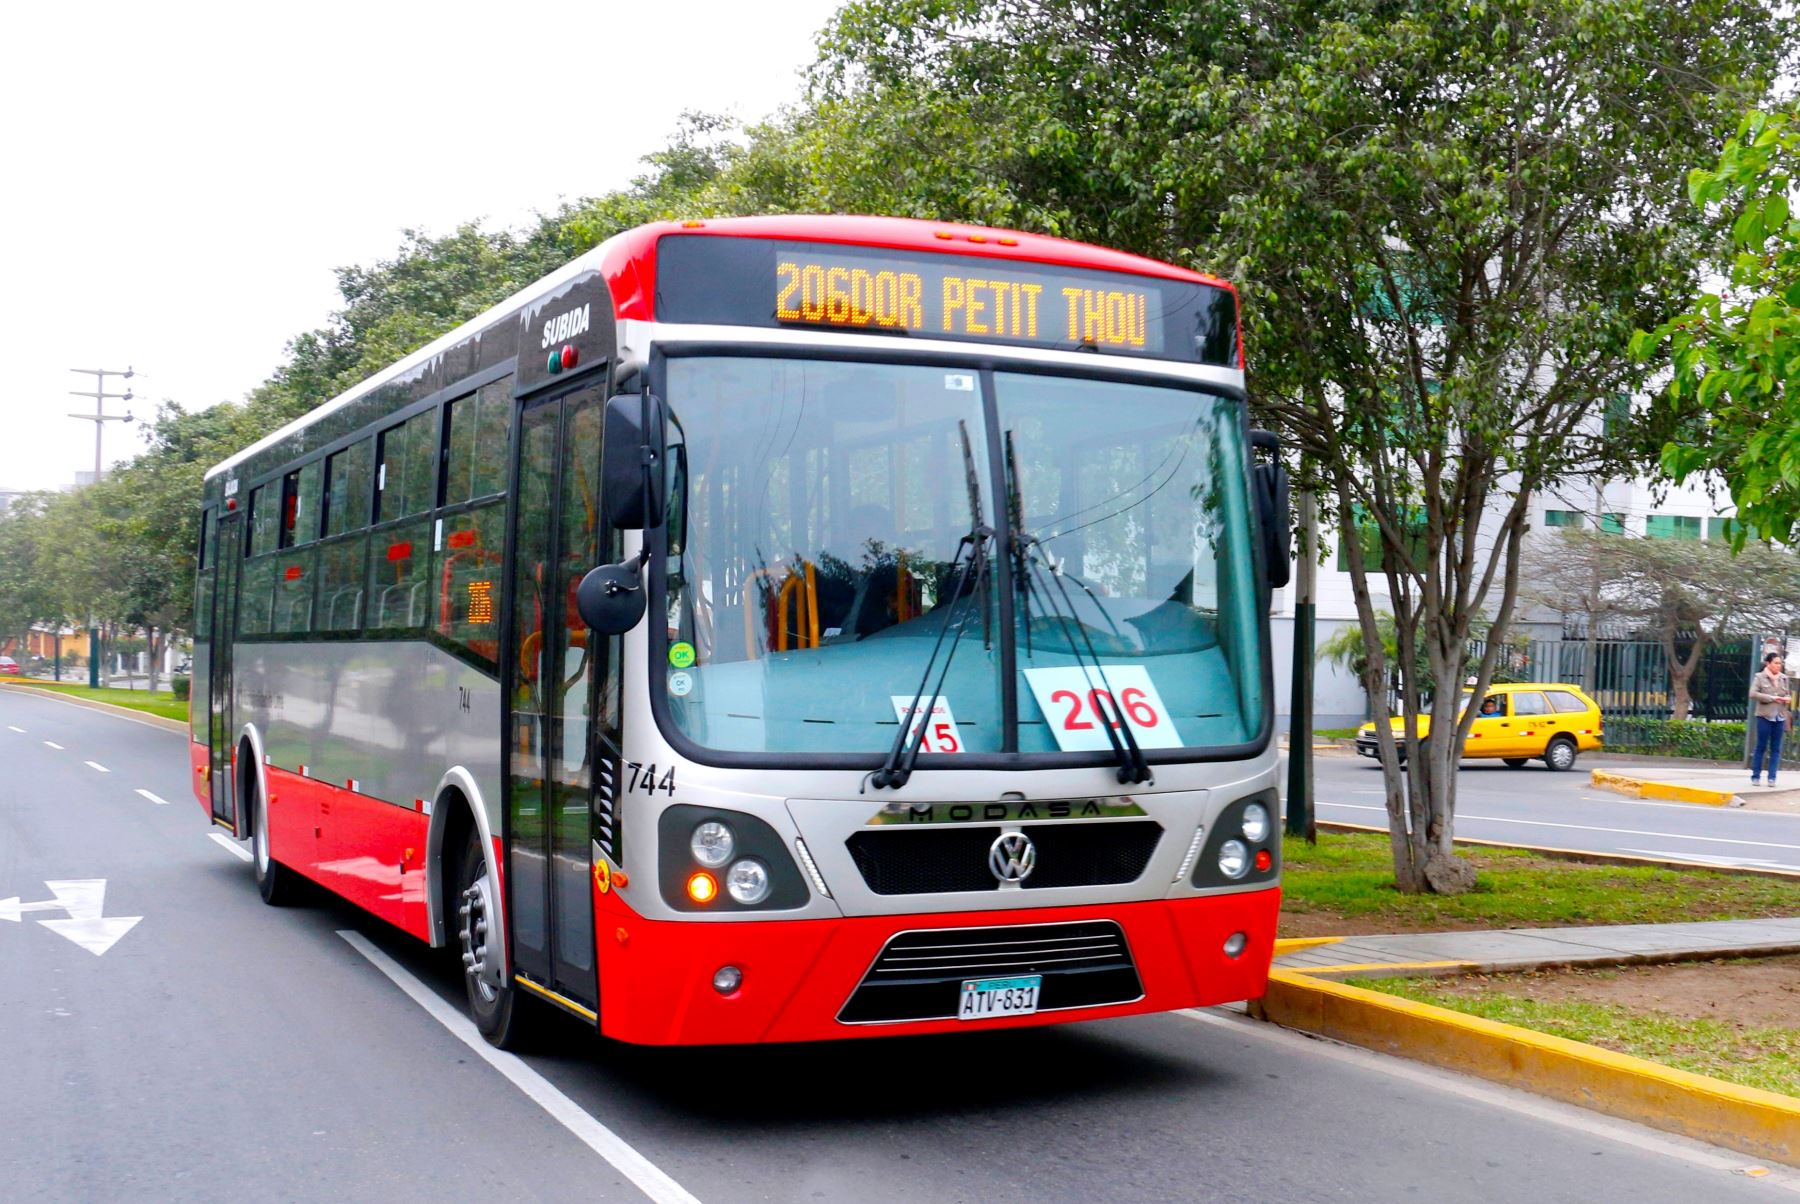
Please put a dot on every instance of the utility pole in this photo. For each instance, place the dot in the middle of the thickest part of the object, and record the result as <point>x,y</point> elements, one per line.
<point>99,418</point>
<point>1300,718</point>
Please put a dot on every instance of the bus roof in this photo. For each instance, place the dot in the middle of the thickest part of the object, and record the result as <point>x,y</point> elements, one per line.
<point>627,261</point>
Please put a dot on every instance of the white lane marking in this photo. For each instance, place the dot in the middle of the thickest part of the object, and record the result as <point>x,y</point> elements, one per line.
<point>1719,859</point>
<point>54,744</point>
<point>1565,1116</point>
<point>649,1178</point>
<point>230,846</point>
<point>20,730</point>
<point>160,802</point>
<point>84,899</point>
<point>1540,823</point>
<point>97,765</point>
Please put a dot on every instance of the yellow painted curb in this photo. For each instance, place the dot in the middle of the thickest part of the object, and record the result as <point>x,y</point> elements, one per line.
<point>93,704</point>
<point>1632,787</point>
<point>1761,1123</point>
<point>1366,967</point>
<point>1294,944</point>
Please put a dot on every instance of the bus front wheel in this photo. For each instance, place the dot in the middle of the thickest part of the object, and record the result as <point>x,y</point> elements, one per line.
<point>494,1008</point>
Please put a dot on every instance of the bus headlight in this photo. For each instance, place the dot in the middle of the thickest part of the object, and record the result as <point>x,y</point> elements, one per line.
<point>1256,823</point>
<point>712,844</point>
<point>748,881</point>
<point>1234,859</point>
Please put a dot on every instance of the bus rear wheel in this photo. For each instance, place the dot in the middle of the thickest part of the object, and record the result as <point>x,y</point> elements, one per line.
<point>494,1008</point>
<point>278,885</point>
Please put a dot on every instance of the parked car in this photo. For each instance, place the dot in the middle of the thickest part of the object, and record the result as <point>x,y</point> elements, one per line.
<point>9,665</point>
<point>1519,722</point>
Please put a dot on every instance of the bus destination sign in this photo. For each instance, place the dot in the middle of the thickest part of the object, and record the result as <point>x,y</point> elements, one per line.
<point>865,289</point>
<point>728,280</point>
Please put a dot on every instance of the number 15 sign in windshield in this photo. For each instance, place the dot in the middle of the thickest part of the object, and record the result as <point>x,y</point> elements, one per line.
<point>1079,705</point>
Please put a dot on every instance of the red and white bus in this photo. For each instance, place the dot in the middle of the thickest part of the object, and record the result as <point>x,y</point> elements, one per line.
<point>774,629</point>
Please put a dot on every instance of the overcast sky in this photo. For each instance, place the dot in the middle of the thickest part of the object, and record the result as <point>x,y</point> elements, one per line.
<point>183,178</point>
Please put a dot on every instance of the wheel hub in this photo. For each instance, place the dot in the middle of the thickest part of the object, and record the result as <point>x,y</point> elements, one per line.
<point>472,929</point>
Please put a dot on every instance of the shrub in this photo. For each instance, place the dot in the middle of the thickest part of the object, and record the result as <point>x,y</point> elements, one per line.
<point>180,685</point>
<point>1680,738</point>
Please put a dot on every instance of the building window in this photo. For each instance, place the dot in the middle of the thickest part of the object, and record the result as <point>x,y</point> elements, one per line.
<point>1564,518</point>
<point>1370,533</point>
<point>1612,524</point>
<point>1672,526</point>
<point>1617,415</point>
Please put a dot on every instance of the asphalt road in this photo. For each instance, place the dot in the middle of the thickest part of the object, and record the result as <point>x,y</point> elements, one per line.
<point>218,1048</point>
<point>1533,806</point>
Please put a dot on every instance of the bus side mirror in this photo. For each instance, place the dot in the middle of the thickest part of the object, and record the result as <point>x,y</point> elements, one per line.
<point>631,462</point>
<point>611,597</point>
<point>1269,490</point>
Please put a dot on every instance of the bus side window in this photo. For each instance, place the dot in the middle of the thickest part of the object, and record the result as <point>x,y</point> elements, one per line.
<point>466,575</point>
<point>347,489</point>
<point>480,425</point>
<point>406,481</point>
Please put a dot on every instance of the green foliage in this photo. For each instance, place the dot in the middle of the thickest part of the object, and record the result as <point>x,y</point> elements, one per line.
<point>1680,738</point>
<point>1350,876</point>
<point>1731,406</point>
<point>181,686</point>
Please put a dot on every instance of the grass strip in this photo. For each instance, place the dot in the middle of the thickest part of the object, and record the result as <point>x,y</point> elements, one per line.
<point>160,703</point>
<point>1768,1058</point>
<point>1351,875</point>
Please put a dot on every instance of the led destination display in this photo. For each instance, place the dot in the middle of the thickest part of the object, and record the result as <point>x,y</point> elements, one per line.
<point>706,279</point>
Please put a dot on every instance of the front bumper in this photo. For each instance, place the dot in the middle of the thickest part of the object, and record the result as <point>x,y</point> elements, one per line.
<point>656,976</point>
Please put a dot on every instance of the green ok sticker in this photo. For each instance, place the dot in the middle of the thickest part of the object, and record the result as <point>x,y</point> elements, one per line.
<point>681,654</point>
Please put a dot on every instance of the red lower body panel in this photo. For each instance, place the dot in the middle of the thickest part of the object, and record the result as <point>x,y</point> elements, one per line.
<point>656,976</point>
<point>369,851</point>
<point>199,758</point>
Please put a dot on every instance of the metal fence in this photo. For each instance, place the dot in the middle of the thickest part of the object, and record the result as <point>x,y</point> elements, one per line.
<point>1631,682</point>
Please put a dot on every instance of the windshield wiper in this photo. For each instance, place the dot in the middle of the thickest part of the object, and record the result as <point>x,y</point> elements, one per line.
<point>898,768</point>
<point>1033,562</point>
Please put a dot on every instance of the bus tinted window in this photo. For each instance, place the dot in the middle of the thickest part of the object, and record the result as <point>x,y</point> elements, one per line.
<point>405,482</point>
<point>300,508</point>
<point>347,488</point>
<point>400,576</point>
<point>340,598</point>
<point>466,572</point>
<point>203,588</point>
<point>478,435</point>
<point>256,596</point>
<point>293,593</point>
<point>265,516</point>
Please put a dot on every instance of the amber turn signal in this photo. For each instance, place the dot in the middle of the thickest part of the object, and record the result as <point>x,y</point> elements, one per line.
<point>702,888</point>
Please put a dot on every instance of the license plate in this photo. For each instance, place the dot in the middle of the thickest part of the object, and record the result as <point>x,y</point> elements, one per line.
<point>986,998</point>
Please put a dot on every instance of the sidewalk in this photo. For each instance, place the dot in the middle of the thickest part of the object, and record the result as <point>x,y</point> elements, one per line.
<point>1428,953</point>
<point>1716,786</point>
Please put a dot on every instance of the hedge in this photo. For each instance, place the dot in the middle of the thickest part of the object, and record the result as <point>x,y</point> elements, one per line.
<point>180,685</point>
<point>1684,738</point>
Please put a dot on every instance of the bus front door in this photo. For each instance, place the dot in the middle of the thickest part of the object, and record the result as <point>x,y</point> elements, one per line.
<point>226,558</point>
<point>554,672</point>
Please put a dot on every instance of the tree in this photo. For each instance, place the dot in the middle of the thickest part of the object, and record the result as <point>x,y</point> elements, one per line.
<point>1732,406</point>
<point>1446,222</point>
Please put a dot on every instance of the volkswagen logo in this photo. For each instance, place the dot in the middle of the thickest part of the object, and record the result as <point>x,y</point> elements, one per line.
<point>1012,857</point>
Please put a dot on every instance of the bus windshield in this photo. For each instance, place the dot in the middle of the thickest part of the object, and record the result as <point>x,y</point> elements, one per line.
<point>823,514</point>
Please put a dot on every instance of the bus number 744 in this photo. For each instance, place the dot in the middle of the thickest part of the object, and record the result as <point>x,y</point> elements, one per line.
<point>645,776</point>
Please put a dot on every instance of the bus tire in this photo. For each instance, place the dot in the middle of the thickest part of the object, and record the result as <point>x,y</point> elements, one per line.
<point>1560,755</point>
<point>495,1010</point>
<point>278,885</point>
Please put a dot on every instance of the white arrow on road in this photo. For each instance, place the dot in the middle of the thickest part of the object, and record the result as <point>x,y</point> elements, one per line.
<point>84,900</point>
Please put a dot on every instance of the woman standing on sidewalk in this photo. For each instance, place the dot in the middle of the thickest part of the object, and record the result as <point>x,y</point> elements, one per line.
<point>1773,693</point>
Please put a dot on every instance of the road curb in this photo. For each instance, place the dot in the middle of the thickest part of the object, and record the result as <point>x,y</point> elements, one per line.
<point>1560,854</point>
<point>1760,1123</point>
<point>1636,787</point>
<point>167,724</point>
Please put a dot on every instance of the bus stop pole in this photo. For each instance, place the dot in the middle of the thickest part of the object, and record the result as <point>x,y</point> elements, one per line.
<point>1300,717</point>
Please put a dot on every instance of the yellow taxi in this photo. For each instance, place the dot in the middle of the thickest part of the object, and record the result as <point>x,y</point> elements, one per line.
<point>1518,722</point>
